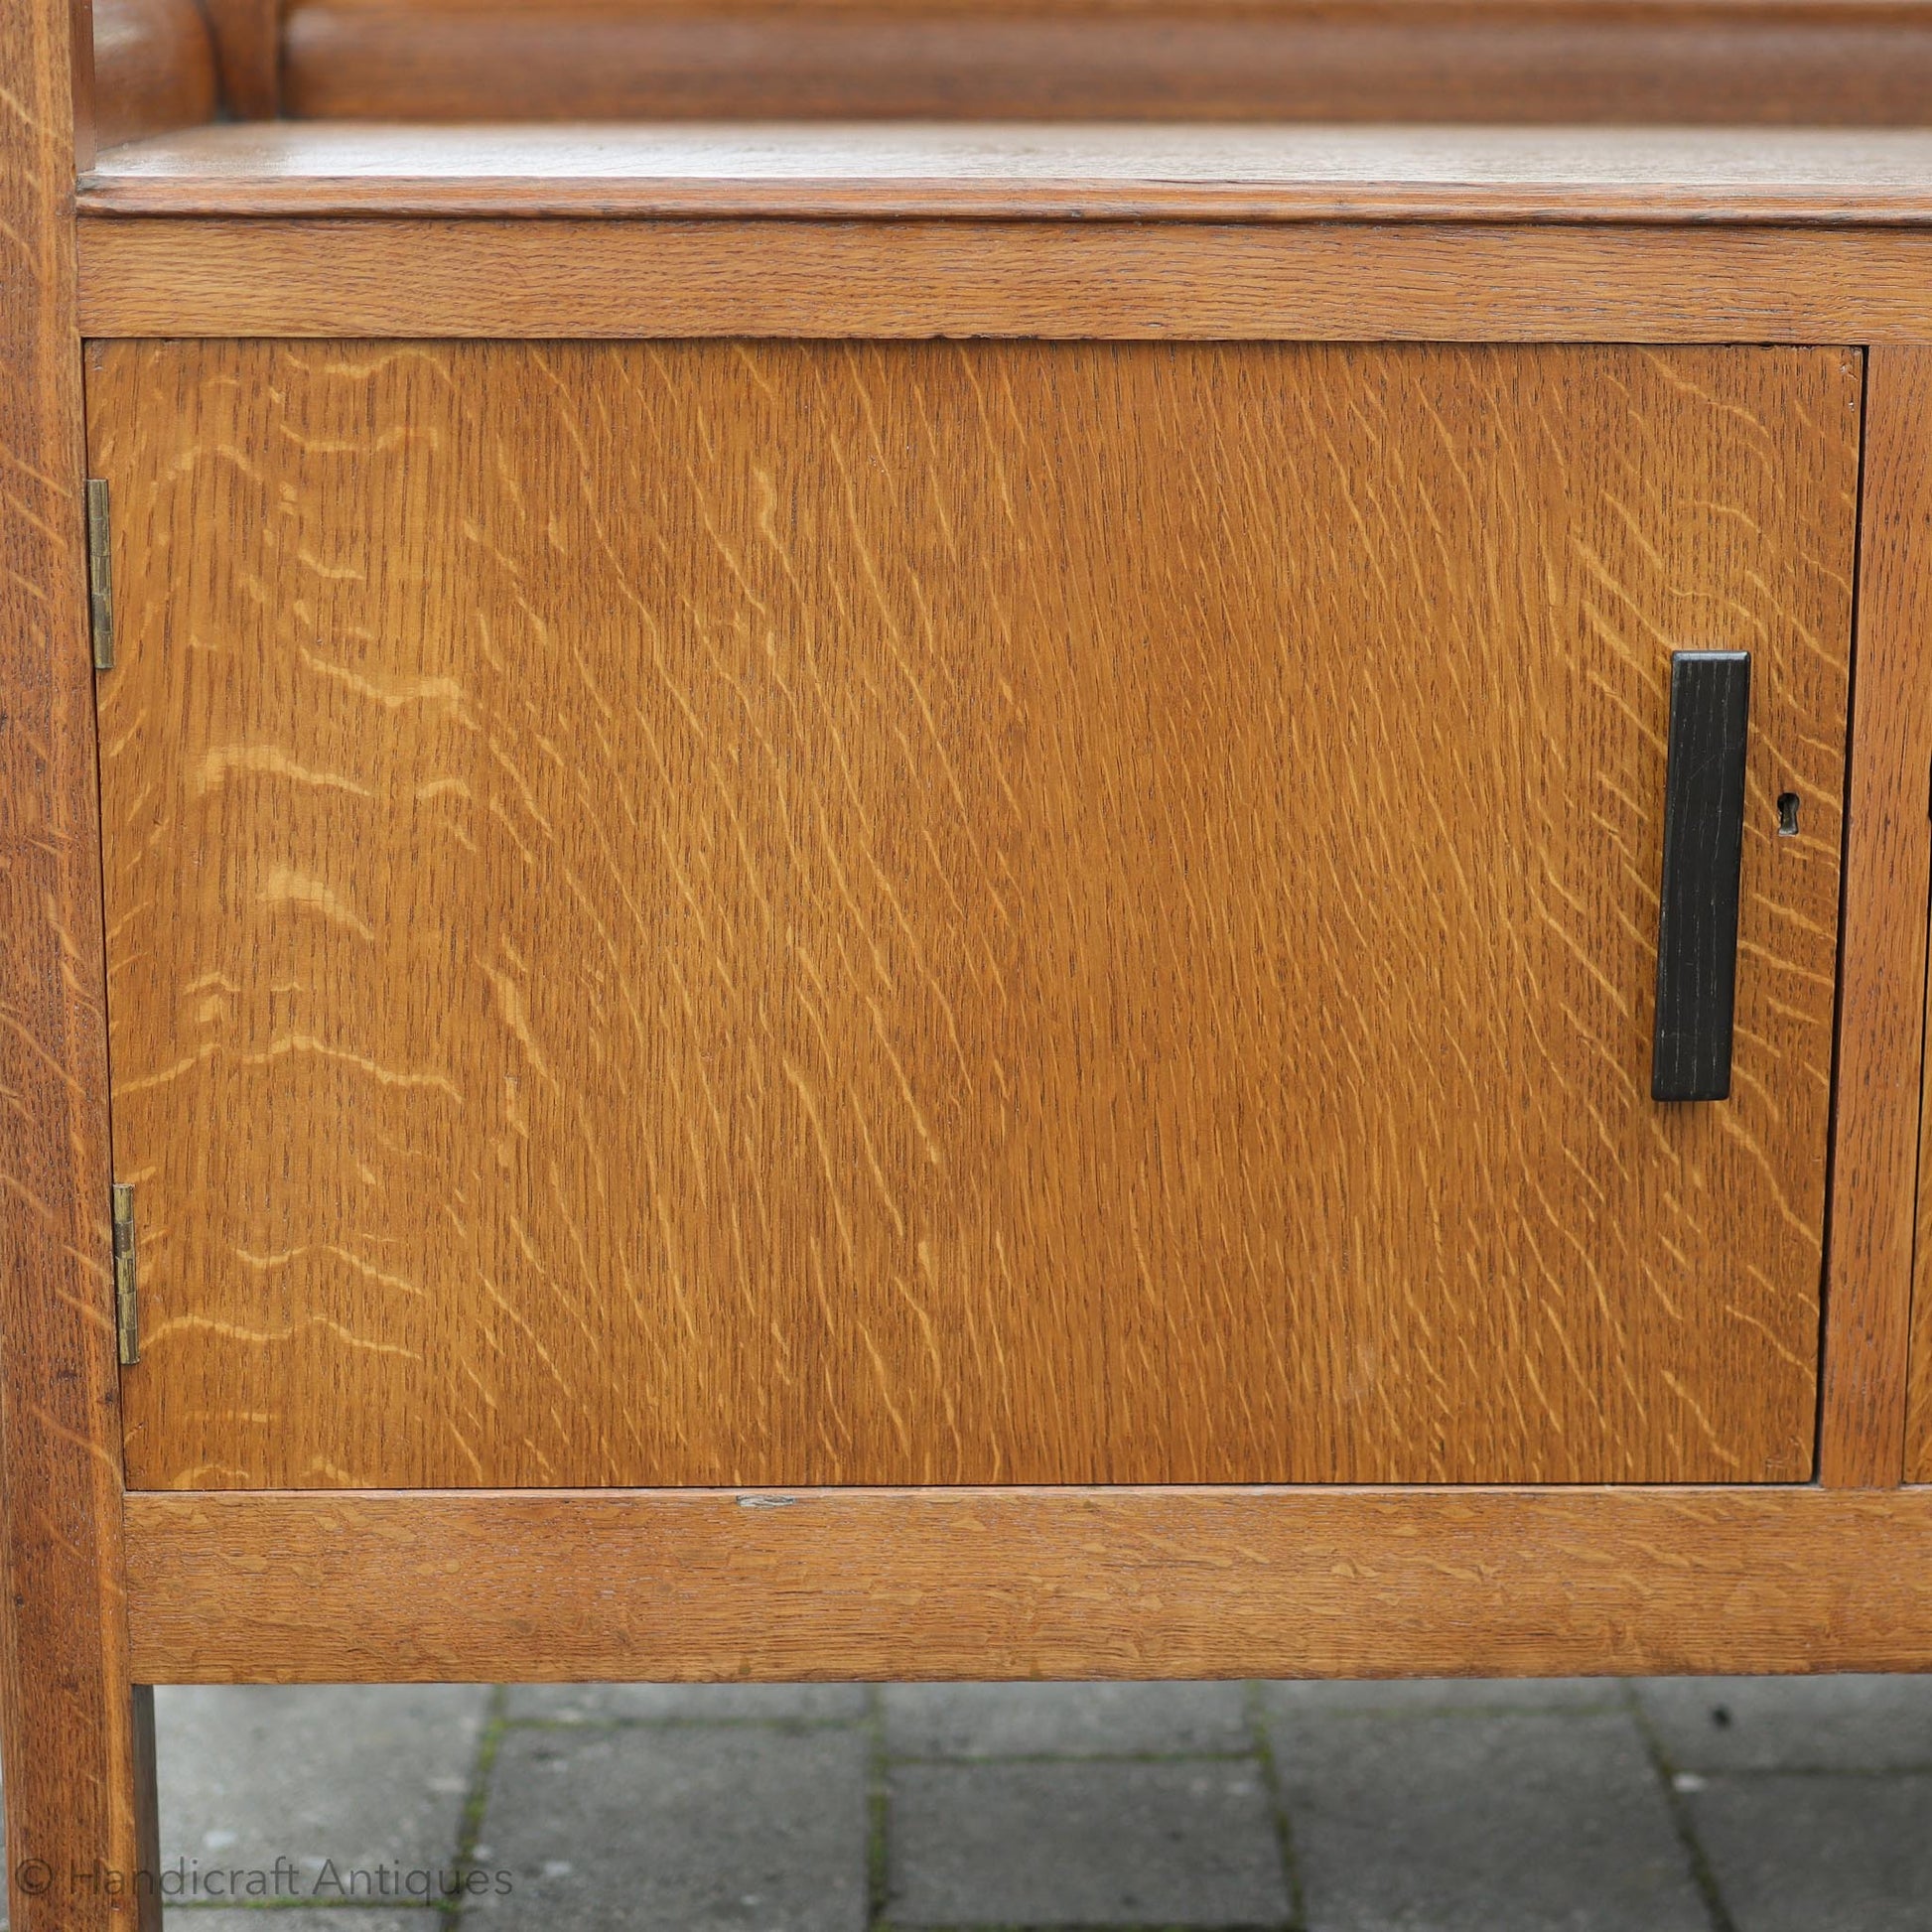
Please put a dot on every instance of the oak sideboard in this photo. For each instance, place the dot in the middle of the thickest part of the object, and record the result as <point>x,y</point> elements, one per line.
<point>855,841</point>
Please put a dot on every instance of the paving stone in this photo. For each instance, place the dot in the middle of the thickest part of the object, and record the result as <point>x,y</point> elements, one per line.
<point>1777,1724</point>
<point>337,1779</point>
<point>1101,1843</point>
<point>305,1918</point>
<point>1063,1720</point>
<point>678,1828</point>
<point>1820,1853</point>
<point>1411,1814</point>
<point>688,1703</point>
<point>1409,1697</point>
<point>1461,1823</point>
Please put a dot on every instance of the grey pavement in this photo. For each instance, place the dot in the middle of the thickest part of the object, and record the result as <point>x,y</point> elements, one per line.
<point>1576,1805</point>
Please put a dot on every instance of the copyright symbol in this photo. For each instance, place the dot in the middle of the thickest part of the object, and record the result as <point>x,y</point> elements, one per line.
<point>34,1877</point>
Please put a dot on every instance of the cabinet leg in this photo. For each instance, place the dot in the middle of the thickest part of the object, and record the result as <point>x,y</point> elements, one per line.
<point>77,1742</point>
<point>144,1807</point>
<point>83,1848</point>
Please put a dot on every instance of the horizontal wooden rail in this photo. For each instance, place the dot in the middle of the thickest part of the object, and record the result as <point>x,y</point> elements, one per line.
<point>1862,63</point>
<point>283,1586</point>
<point>1319,281</point>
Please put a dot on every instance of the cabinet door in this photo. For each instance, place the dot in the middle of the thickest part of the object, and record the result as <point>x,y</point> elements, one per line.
<point>784,914</point>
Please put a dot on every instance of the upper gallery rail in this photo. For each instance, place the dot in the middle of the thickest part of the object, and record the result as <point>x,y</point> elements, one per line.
<point>1795,63</point>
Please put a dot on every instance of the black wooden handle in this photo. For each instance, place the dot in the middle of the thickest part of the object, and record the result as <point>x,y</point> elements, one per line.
<point>1697,906</point>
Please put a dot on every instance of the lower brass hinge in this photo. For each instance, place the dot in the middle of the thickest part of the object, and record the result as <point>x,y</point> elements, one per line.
<point>101,575</point>
<point>126,1321</point>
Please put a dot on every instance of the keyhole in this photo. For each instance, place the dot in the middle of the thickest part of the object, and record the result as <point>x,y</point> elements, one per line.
<point>1787,814</point>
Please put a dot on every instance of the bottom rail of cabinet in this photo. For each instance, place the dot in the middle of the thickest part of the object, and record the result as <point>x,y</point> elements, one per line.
<point>553,1585</point>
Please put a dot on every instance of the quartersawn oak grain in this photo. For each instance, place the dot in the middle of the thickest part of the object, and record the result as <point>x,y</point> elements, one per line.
<point>1796,62</point>
<point>1058,279</point>
<point>1888,885</point>
<point>78,1767</point>
<point>726,913</point>
<point>1879,1338</point>
<point>1918,1442</point>
<point>1044,1584</point>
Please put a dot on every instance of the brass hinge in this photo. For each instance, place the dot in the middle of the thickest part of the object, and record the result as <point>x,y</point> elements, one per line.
<point>126,1321</point>
<point>101,575</point>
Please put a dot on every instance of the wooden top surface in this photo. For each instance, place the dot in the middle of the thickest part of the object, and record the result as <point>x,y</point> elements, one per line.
<point>1026,171</point>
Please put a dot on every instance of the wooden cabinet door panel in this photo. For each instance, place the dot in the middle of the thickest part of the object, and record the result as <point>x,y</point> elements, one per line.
<point>790,913</point>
